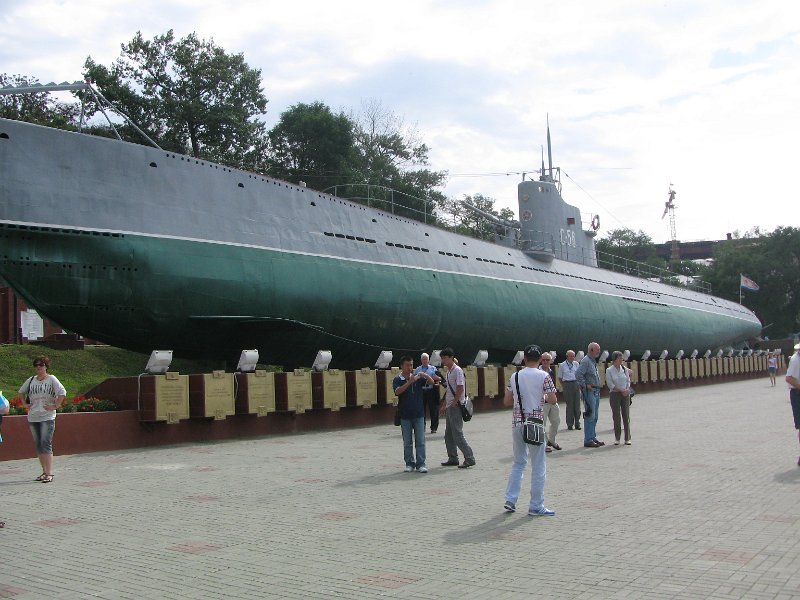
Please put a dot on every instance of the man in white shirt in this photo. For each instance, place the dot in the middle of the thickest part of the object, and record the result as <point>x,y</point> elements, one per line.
<point>526,391</point>
<point>572,394</point>
<point>455,387</point>
<point>793,379</point>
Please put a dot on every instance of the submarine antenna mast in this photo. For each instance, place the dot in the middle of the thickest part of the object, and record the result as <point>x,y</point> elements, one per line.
<point>669,207</point>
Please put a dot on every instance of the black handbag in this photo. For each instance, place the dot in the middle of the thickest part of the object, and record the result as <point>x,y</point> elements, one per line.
<point>532,427</point>
<point>467,409</point>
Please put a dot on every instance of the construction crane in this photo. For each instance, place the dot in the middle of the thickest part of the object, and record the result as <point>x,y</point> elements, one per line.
<point>669,207</point>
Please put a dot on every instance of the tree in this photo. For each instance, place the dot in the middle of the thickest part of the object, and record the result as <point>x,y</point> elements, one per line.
<point>310,143</point>
<point>623,248</point>
<point>38,107</point>
<point>773,261</point>
<point>390,156</point>
<point>189,95</point>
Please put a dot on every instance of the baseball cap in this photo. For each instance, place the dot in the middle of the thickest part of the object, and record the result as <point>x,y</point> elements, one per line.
<point>533,352</point>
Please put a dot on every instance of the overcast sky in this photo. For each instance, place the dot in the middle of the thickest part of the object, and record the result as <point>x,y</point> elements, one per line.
<point>703,95</point>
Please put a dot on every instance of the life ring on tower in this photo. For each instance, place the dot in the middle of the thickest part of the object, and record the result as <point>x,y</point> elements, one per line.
<point>596,222</point>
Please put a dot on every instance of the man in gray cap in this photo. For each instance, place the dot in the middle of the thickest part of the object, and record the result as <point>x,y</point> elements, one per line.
<point>526,391</point>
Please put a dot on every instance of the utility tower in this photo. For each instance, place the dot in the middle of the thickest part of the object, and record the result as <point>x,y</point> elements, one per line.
<point>669,207</point>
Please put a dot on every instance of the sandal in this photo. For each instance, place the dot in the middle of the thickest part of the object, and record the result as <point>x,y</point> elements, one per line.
<point>47,478</point>
<point>41,477</point>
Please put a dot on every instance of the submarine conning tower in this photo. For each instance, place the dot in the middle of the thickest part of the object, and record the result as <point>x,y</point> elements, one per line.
<point>549,227</point>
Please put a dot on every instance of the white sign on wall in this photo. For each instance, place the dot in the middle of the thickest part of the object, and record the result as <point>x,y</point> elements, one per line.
<point>32,325</point>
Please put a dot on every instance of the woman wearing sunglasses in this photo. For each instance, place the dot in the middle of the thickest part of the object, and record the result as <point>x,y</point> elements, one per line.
<point>44,394</point>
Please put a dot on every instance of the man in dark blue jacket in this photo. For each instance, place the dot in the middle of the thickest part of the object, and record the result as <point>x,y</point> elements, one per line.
<point>408,389</point>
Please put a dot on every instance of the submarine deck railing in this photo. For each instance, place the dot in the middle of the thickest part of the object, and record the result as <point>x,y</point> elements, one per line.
<point>390,200</point>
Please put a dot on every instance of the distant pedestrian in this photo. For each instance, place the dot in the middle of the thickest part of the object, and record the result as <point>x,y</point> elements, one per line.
<point>4,408</point>
<point>455,387</point>
<point>772,367</point>
<point>527,391</point>
<point>44,393</point>
<point>430,391</point>
<point>550,411</point>
<point>619,385</point>
<point>588,379</point>
<point>407,387</point>
<point>793,379</point>
<point>572,394</point>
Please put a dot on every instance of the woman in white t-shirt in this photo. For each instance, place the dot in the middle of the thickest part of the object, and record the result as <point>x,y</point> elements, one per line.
<point>44,394</point>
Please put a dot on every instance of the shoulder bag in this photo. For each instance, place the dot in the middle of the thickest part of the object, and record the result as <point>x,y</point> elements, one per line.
<point>467,409</point>
<point>532,427</point>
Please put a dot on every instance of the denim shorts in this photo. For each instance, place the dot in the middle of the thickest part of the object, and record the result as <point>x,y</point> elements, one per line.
<point>42,433</point>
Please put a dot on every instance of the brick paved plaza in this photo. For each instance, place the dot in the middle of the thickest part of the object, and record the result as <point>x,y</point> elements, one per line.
<point>704,504</point>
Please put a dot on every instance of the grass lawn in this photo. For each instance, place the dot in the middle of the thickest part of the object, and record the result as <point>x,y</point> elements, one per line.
<point>80,370</point>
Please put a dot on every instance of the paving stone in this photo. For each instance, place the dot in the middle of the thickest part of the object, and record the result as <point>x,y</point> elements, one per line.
<point>702,505</point>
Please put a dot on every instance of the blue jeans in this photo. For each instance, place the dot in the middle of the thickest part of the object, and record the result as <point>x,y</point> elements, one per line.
<point>538,470</point>
<point>591,399</point>
<point>42,432</point>
<point>417,427</point>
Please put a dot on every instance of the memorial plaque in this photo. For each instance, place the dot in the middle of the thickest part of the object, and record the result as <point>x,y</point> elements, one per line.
<point>726,365</point>
<point>490,387</point>
<point>601,371</point>
<point>634,367</point>
<point>298,390</point>
<point>333,389</point>
<point>687,367</point>
<point>679,368</point>
<point>662,370</point>
<point>653,370</point>
<point>219,397</point>
<point>670,369</point>
<point>171,397</point>
<point>260,392</point>
<point>390,375</point>
<point>366,387</point>
<point>471,377</point>
<point>644,372</point>
<point>714,367</point>
<point>557,381</point>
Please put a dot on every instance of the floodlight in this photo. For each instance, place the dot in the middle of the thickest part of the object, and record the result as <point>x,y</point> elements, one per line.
<point>579,356</point>
<point>603,356</point>
<point>694,353</point>
<point>729,352</point>
<point>707,354</point>
<point>480,358</point>
<point>739,353</point>
<point>519,357</point>
<point>626,355</point>
<point>436,358</point>
<point>159,362</point>
<point>663,355</point>
<point>553,355</point>
<point>679,355</point>
<point>384,358</point>
<point>322,360</point>
<point>646,355</point>
<point>719,353</point>
<point>247,361</point>
<point>749,352</point>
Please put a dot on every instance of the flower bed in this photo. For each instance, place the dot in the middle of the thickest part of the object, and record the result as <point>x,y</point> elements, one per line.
<point>71,405</point>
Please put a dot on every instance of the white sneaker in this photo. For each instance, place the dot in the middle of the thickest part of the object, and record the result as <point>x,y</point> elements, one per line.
<point>422,469</point>
<point>408,469</point>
